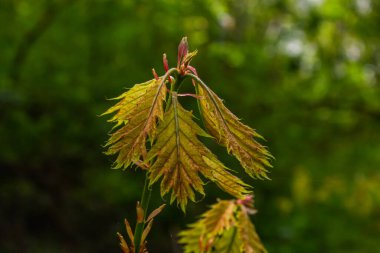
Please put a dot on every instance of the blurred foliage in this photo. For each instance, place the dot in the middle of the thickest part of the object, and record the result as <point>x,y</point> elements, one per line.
<point>305,73</point>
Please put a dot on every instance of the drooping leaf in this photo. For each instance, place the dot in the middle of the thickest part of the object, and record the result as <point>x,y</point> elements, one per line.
<point>180,157</point>
<point>250,240</point>
<point>219,174</point>
<point>135,119</point>
<point>202,235</point>
<point>231,133</point>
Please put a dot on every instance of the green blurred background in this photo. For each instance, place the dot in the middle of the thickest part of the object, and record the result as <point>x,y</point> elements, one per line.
<point>304,73</point>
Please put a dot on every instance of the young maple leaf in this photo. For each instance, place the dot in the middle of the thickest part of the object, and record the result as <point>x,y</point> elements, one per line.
<point>135,116</point>
<point>180,157</point>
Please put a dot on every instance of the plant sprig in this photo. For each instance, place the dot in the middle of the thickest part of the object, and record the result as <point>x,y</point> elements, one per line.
<point>151,112</point>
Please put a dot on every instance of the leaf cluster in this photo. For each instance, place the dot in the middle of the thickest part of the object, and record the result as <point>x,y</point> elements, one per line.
<point>224,228</point>
<point>153,131</point>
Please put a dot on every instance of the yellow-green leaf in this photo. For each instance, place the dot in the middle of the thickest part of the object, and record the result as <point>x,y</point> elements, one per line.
<point>180,157</point>
<point>201,236</point>
<point>192,238</point>
<point>231,133</point>
<point>135,118</point>
<point>229,242</point>
<point>250,240</point>
<point>219,218</point>
<point>224,228</point>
